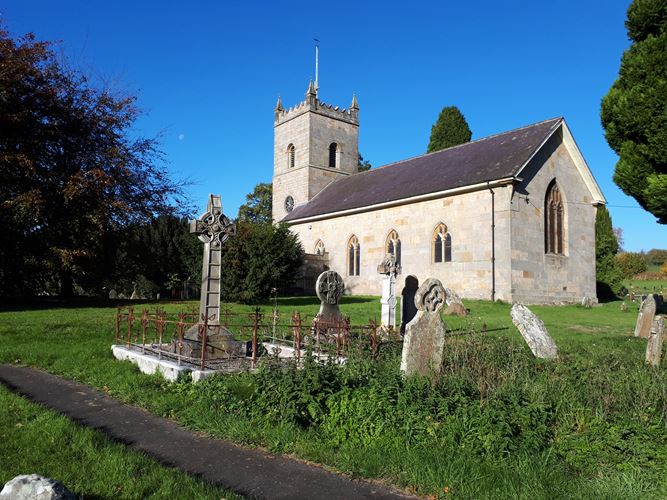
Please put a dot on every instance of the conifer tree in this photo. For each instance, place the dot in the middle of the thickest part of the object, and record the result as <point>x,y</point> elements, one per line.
<point>451,129</point>
<point>608,276</point>
<point>634,112</point>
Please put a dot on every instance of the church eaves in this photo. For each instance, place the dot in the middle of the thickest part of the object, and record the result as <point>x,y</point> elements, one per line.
<point>489,159</point>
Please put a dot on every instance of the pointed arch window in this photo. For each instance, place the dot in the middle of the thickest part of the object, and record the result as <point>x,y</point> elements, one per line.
<point>442,244</point>
<point>393,246</point>
<point>319,248</point>
<point>353,256</point>
<point>554,215</point>
<point>291,154</point>
<point>333,155</point>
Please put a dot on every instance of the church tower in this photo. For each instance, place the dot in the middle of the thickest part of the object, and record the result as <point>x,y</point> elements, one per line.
<point>313,144</point>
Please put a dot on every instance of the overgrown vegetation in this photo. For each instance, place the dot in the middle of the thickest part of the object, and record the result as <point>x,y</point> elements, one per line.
<point>497,423</point>
<point>607,274</point>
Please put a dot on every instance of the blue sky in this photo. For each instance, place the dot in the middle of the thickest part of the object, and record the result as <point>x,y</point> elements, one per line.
<point>208,74</point>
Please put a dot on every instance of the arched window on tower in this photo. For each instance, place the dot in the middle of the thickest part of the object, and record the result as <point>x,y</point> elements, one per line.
<point>393,246</point>
<point>291,153</point>
<point>353,256</point>
<point>442,244</point>
<point>333,155</point>
<point>319,248</point>
<point>554,217</point>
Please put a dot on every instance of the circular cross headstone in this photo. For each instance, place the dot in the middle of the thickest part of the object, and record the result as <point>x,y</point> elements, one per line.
<point>329,287</point>
<point>431,296</point>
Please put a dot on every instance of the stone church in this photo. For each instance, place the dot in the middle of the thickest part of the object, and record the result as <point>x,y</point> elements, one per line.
<point>510,216</point>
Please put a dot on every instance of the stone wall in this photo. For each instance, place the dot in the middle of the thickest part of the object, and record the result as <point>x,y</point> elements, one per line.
<point>538,277</point>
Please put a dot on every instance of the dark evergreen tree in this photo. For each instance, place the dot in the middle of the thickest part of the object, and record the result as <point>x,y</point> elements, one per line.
<point>634,112</point>
<point>363,165</point>
<point>608,276</point>
<point>451,129</point>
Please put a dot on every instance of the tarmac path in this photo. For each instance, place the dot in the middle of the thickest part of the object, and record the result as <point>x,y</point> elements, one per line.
<point>247,471</point>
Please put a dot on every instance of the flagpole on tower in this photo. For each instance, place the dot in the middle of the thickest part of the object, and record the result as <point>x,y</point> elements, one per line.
<point>317,63</point>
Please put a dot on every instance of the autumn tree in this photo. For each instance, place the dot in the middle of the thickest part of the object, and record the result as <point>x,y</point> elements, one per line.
<point>634,112</point>
<point>451,129</point>
<point>73,173</point>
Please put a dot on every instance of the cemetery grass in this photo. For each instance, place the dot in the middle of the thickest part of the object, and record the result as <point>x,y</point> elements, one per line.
<point>36,440</point>
<point>497,424</point>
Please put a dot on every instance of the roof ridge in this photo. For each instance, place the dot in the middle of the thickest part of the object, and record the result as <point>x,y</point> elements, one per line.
<point>460,145</point>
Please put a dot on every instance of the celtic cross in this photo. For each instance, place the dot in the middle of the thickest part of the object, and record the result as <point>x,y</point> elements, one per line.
<point>213,229</point>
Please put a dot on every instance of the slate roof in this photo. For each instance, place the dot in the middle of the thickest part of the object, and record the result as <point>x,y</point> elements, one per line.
<point>494,157</point>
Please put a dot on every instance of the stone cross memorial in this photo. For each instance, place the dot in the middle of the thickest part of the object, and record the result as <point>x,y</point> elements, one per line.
<point>424,338</point>
<point>389,269</point>
<point>645,317</point>
<point>329,288</point>
<point>534,332</point>
<point>213,229</point>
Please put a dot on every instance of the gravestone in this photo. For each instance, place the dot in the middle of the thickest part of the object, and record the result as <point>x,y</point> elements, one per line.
<point>408,309</point>
<point>329,288</point>
<point>587,302</point>
<point>35,487</point>
<point>389,269</point>
<point>112,294</point>
<point>454,303</point>
<point>424,338</point>
<point>645,317</point>
<point>212,228</point>
<point>135,295</point>
<point>655,341</point>
<point>534,332</point>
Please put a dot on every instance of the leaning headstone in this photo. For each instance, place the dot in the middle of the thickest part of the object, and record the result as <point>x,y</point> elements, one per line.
<point>135,295</point>
<point>534,332</point>
<point>645,317</point>
<point>113,294</point>
<point>389,269</point>
<point>455,309</point>
<point>424,338</point>
<point>655,340</point>
<point>35,487</point>
<point>329,288</point>
<point>122,296</point>
<point>451,297</point>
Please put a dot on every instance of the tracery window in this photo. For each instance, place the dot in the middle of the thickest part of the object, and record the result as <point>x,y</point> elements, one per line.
<point>291,153</point>
<point>554,215</point>
<point>353,256</point>
<point>442,244</point>
<point>333,154</point>
<point>393,246</point>
<point>319,248</point>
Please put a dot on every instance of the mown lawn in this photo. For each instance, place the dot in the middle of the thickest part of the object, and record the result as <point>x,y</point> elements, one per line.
<point>497,424</point>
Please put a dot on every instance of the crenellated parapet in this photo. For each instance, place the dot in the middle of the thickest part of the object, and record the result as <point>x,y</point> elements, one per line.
<point>313,104</point>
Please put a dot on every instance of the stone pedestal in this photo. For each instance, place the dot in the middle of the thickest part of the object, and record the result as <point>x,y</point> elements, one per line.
<point>388,300</point>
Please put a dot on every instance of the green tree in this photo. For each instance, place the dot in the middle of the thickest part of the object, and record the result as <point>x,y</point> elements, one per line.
<point>634,112</point>
<point>656,257</point>
<point>258,205</point>
<point>260,257</point>
<point>451,129</point>
<point>631,263</point>
<point>608,277</point>
<point>73,174</point>
<point>363,165</point>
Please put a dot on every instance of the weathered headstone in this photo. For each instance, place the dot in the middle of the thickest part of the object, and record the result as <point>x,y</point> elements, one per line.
<point>389,269</point>
<point>329,288</point>
<point>454,303</point>
<point>135,295</point>
<point>424,338</point>
<point>655,341</point>
<point>212,228</point>
<point>588,302</point>
<point>451,297</point>
<point>534,332</point>
<point>645,317</point>
<point>408,309</point>
<point>113,294</point>
<point>35,487</point>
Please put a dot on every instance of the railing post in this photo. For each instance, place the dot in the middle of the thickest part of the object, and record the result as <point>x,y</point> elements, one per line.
<point>130,322</point>
<point>117,324</point>
<point>255,326</point>
<point>144,325</point>
<point>203,330</point>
